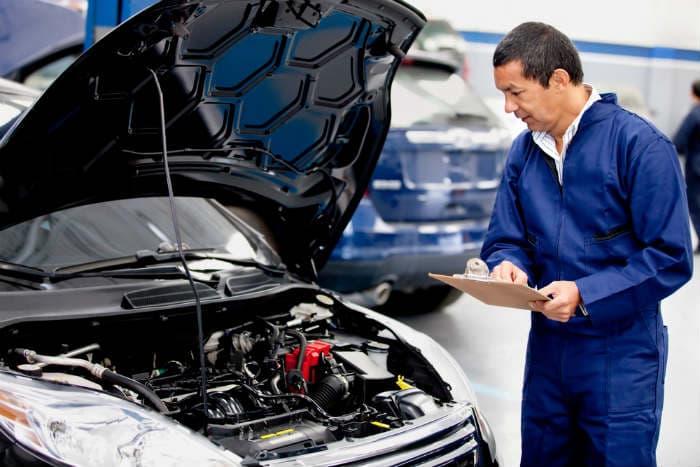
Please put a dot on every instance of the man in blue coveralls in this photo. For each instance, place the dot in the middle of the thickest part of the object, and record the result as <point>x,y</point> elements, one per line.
<point>687,141</point>
<point>591,210</point>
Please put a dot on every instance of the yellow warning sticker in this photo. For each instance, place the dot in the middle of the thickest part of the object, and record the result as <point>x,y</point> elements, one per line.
<point>381,425</point>
<point>278,433</point>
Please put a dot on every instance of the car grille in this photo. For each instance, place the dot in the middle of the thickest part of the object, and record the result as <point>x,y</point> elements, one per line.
<point>457,448</point>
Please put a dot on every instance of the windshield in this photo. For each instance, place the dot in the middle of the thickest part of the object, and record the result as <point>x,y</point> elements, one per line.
<point>121,228</point>
<point>423,95</point>
<point>440,36</point>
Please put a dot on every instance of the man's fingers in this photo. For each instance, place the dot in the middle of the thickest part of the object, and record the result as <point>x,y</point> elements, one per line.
<point>514,274</point>
<point>560,308</point>
<point>520,277</point>
<point>556,315</point>
<point>547,290</point>
<point>507,271</point>
<point>500,272</point>
<point>557,309</point>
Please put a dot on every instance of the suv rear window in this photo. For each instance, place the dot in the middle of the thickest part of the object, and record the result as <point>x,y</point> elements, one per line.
<point>424,95</point>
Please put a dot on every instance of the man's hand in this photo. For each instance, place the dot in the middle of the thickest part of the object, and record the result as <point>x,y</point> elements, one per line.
<point>565,299</point>
<point>507,271</point>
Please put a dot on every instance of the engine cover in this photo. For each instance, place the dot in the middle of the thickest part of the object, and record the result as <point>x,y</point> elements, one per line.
<point>312,357</point>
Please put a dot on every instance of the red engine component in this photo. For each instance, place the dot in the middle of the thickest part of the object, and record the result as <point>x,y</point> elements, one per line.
<point>312,356</point>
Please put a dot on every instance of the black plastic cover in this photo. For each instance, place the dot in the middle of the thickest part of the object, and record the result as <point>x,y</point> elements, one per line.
<point>167,295</point>
<point>280,441</point>
<point>407,404</point>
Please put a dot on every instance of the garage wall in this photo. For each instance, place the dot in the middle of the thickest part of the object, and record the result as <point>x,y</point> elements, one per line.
<point>645,46</point>
<point>649,47</point>
<point>652,23</point>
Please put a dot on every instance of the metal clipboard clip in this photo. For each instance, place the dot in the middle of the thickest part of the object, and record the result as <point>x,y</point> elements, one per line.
<point>475,269</point>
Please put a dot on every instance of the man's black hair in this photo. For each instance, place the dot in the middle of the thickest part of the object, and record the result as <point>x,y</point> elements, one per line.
<point>696,88</point>
<point>541,49</point>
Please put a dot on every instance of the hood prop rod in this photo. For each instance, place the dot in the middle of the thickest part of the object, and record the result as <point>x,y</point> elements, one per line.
<point>176,228</point>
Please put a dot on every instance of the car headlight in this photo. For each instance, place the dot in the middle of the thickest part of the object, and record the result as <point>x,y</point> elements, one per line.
<point>78,426</point>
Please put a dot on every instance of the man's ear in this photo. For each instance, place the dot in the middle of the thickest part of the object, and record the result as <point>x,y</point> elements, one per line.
<point>560,79</point>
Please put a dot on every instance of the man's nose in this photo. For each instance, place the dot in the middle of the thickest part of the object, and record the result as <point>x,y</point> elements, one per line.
<point>510,106</point>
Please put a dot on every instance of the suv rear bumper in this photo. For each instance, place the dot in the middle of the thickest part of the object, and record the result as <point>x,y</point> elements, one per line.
<point>371,252</point>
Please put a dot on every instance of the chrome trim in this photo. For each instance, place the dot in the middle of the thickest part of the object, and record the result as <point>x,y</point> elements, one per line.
<point>480,185</point>
<point>457,446</point>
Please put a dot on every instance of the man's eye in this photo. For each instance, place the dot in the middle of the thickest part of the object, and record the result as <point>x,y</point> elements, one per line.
<point>515,93</point>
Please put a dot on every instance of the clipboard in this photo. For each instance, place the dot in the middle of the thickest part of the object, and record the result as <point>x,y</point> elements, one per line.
<point>493,291</point>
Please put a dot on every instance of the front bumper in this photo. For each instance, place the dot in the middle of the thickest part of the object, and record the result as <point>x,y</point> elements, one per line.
<point>450,438</point>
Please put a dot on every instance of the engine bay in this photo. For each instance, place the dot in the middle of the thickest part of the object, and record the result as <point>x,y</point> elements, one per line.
<point>287,373</point>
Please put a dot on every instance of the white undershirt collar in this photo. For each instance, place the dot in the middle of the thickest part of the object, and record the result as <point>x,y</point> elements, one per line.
<point>547,143</point>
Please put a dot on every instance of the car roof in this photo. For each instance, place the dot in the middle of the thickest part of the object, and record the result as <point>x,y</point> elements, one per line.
<point>14,88</point>
<point>32,30</point>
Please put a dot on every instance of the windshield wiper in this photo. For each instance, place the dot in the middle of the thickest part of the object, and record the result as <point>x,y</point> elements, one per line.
<point>20,275</point>
<point>139,265</point>
<point>21,271</point>
<point>157,272</point>
<point>28,275</point>
<point>144,258</point>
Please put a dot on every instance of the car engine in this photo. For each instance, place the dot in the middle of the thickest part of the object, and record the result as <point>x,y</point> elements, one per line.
<point>278,384</point>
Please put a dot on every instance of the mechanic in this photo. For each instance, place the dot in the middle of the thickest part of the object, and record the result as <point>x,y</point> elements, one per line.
<point>591,210</point>
<point>687,141</point>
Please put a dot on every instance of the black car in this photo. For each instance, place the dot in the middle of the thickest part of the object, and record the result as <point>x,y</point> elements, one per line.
<point>165,205</point>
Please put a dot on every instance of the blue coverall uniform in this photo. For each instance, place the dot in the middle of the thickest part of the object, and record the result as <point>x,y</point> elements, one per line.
<point>618,227</point>
<point>687,140</point>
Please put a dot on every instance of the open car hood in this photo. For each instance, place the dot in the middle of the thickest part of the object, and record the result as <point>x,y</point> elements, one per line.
<point>280,107</point>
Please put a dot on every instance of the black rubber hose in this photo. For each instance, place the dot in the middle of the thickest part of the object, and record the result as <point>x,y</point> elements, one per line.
<point>330,391</point>
<point>302,346</point>
<point>147,394</point>
<point>97,371</point>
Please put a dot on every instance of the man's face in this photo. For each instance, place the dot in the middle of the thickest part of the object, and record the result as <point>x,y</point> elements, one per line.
<point>537,106</point>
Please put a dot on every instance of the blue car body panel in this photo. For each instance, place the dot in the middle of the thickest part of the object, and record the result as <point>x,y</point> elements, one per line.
<point>31,31</point>
<point>105,14</point>
<point>410,222</point>
<point>437,181</point>
<point>371,252</point>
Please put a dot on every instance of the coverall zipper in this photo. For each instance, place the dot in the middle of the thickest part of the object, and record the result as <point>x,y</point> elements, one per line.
<point>553,171</point>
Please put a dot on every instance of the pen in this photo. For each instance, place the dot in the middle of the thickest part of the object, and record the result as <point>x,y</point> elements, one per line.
<point>582,309</point>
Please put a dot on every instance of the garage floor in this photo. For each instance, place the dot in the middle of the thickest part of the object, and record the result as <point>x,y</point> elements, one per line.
<point>489,343</point>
